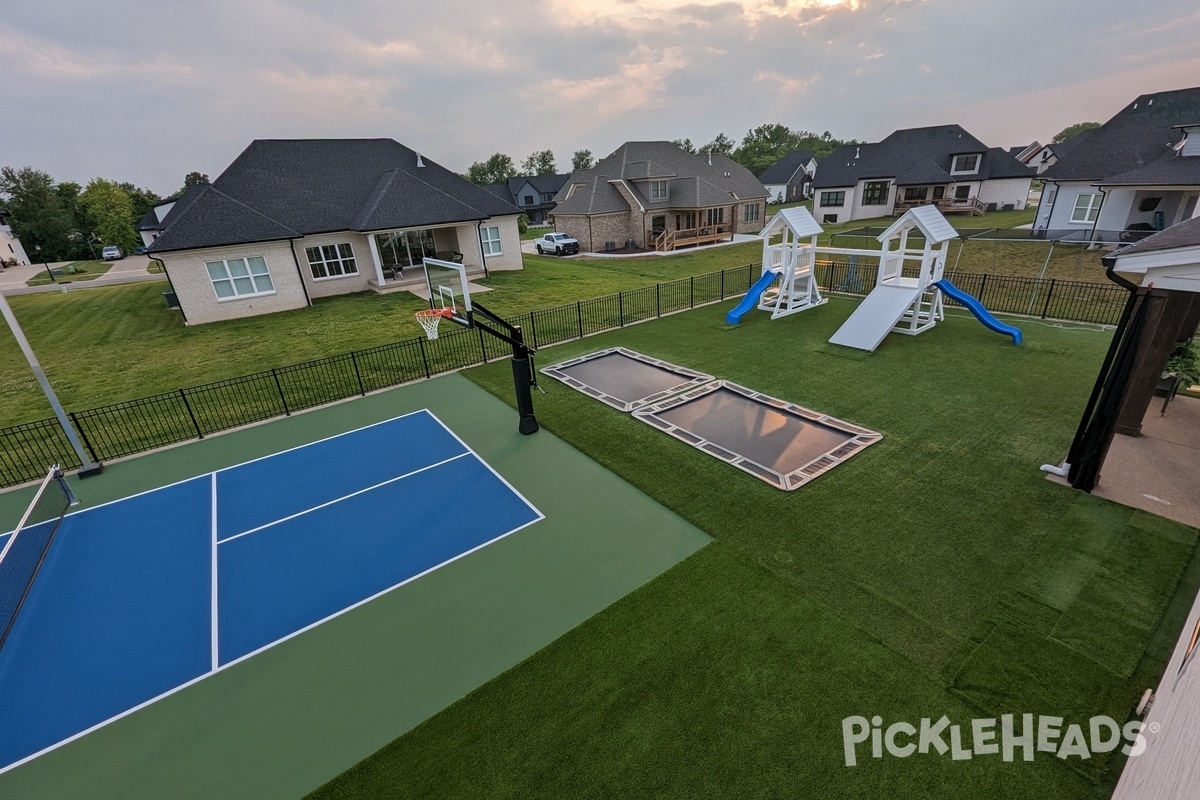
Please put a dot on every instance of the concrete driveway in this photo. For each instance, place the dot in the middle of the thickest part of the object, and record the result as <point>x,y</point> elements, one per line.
<point>131,269</point>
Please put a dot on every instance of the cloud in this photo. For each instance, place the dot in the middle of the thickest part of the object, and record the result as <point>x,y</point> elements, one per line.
<point>640,82</point>
<point>784,82</point>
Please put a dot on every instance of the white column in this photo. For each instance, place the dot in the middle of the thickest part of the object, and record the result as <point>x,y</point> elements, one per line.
<point>375,258</point>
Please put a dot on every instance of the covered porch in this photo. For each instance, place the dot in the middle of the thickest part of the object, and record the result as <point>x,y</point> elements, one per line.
<point>397,254</point>
<point>678,228</point>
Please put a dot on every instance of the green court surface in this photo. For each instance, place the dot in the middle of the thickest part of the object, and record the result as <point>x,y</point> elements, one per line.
<point>287,720</point>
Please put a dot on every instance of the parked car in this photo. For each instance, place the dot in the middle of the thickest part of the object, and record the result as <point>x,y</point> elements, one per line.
<point>558,243</point>
<point>139,251</point>
<point>112,253</point>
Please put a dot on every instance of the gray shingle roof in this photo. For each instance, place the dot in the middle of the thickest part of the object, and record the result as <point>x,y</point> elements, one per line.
<point>694,181</point>
<point>1185,234</point>
<point>298,187</point>
<point>915,153</point>
<point>1139,135</point>
<point>785,168</point>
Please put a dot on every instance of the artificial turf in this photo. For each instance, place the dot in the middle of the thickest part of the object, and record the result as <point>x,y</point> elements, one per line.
<point>936,573</point>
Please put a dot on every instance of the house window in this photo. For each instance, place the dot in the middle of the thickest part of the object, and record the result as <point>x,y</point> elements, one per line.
<point>833,199</point>
<point>658,190</point>
<point>685,221</point>
<point>875,193</point>
<point>1087,207</point>
<point>751,214</point>
<point>915,194</point>
<point>715,216</point>
<point>962,192</point>
<point>965,163</point>
<point>527,200</point>
<point>331,260</point>
<point>830,219</point>
<point>491,240</point>
<point>547,197</point>
<point>240,277</point>
<point>939,192</point>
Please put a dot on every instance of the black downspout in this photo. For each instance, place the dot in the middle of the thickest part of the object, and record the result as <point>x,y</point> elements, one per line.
<point>300,272</point>
<point>1106,368</point>
<point>171,283</point>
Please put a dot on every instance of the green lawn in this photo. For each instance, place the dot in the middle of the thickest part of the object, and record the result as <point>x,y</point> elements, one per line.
<point>116,343</point>
<point>936,573</point>
<point>72,273</point>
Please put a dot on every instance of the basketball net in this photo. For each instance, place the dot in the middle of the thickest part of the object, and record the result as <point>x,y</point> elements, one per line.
<point>429,319</point>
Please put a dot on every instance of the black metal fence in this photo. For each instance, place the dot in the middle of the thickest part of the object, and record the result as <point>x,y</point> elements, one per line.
<point>133,426</point>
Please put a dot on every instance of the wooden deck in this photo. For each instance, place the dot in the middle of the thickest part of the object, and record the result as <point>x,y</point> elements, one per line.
<point>689,237</point>
<point>972,205</point>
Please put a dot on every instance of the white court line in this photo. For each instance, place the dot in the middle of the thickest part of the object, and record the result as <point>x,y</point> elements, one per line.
<point>340,499</point>
<point>221,667</point>
<point>251,461</point>
<point>216,641</point>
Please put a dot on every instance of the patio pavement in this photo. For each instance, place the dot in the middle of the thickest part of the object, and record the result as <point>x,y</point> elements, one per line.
<point>1158,471</point>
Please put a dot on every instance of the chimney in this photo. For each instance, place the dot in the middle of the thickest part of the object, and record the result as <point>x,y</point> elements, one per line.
<point>856,152</point>
<point>710,158</point>
<point>420,163</point>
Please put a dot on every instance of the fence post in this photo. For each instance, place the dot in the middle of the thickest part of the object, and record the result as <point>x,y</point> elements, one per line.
<point>424,357</point>
<point>533,329</point>
<point>354,360</point>
<point>1049,294</point>
<point>621,309</point>
<point>188,406</point>
<point>482,344</point>
<point>83,435</point>
<point>275,374</point>
<point>579,316</point>
<point>722,283</point>
<point>691,291</point>
<point>658,299</point>
<point>982,287</point>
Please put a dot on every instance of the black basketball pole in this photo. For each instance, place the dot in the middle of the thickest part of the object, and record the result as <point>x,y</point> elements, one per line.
<point>524,378</point>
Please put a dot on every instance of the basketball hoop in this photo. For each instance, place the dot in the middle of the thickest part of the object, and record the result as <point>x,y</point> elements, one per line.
<point>429,319</point>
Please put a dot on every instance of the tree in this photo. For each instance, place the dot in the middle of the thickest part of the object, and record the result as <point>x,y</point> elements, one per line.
<point>766,144</point>
<point>41,214</point>
<point>685,145</point>
<point>1073,130</point>
<point>582,160</point>
<point>540,162</point>
<point>109,212</point>
<point>497,169</point>
<point>140,201</point>
<point>722,145</point>
<point>194,179</point>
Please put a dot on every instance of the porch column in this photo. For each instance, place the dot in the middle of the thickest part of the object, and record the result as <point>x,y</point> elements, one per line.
<point>1168,310</point>
<point>375,259</point>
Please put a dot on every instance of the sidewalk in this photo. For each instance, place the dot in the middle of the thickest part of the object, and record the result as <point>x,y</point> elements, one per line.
<point>128,270</point>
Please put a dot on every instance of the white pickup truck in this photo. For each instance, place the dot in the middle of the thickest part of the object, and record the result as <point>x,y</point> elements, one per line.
<point>558,243</point>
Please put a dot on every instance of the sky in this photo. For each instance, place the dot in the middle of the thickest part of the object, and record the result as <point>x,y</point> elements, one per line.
<point>147,92</point>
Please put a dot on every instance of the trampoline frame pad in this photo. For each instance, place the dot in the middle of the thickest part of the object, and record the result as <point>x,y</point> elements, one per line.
<point>858,437</point>
<point>688,378</point>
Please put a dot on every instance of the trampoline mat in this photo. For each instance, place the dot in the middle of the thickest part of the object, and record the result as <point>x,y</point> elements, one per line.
<point>623,378</point>
<point>781,443</point>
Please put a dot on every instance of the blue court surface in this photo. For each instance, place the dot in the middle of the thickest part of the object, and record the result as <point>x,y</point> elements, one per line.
<point>140,597</point>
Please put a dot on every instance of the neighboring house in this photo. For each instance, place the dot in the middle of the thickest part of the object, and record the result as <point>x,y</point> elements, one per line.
<point>533,194</point>
<point>655,195</point>
<point>790,178</point>
<point>1135,174</point>
<point>153,222</point>
<point>11,251</point>
<point>941,165</point>
<point>1044,156</point>
<point>293,220</point>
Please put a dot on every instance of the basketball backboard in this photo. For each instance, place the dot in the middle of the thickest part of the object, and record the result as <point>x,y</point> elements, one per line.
<point>448,289</point>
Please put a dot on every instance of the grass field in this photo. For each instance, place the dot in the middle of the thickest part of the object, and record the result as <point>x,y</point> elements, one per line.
<point>937,573</point>
<point>117,343</point>
<point>72,273</point>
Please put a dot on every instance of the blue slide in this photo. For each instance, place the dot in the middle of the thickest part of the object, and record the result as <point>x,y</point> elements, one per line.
<point>976,307</point>
<point>751,298</point>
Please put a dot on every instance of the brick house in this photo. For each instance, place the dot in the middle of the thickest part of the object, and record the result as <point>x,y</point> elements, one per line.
<point>657,196</point>
<point>293,220</point>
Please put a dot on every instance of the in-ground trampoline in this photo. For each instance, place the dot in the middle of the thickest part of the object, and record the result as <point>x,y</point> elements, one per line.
<point>782,443</point>
<point>624,379</point>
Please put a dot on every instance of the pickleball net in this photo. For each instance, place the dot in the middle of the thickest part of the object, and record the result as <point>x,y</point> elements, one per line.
<point>25,549</point>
